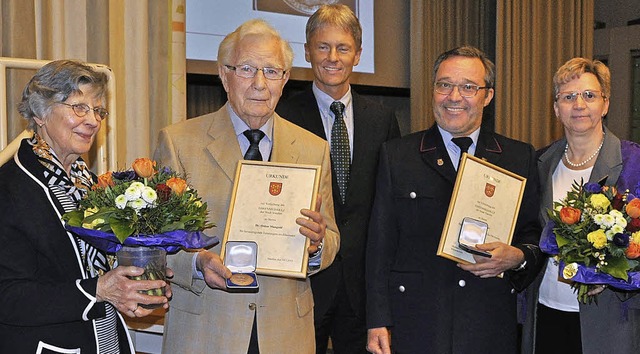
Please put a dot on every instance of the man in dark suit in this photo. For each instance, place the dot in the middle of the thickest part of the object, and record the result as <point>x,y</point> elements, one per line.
<point>333,47</point>
<point>429,303</point>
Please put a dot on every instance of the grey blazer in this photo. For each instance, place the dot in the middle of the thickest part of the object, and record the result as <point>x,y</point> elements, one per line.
<point>613,324</point>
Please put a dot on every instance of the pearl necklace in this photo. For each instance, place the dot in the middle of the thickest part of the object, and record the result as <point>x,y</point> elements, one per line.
<point>566,156</point>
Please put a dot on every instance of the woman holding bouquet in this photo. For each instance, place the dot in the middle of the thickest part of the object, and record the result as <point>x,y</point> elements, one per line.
<point>57,293</point>
<point>589,152</point>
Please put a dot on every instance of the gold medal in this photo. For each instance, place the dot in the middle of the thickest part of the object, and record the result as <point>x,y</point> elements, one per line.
<point>570,270</point>
<point>241,279</point>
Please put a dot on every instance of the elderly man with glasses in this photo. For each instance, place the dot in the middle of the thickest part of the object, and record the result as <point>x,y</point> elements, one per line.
<point>253,63</point>
<point>418,302</point>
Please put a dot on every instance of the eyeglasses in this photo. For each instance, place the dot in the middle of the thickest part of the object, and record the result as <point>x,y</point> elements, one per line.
<point>81,110</point>
<point>247,71</point>
<point>588,96</point>
<point>465,90</point>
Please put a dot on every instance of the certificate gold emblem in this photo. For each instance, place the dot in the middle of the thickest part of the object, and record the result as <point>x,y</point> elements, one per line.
<point>241,279</point>
<point>489,190</point>
<point>275,188</point>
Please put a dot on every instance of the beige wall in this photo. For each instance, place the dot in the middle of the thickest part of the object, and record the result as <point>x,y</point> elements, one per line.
<point>391,18</point>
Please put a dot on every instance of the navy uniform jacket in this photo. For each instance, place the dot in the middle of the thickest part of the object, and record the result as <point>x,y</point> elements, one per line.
<point>431,305</point>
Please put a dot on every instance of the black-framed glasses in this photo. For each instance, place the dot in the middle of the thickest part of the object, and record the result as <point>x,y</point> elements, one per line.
<point>588,96</point>
<point>465,90</point>
<point>247,71</point>
<point>81,110</point>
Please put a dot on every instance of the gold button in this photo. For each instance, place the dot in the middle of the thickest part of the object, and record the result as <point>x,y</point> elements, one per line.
<point>252,306</point>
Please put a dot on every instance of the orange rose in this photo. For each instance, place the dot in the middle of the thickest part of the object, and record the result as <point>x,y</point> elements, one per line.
<point>177,185</point>
<point>633,208</point>
<point>105,180</point>
<point>569,215</point>
<point>144,167</point>
<point>633,251</point>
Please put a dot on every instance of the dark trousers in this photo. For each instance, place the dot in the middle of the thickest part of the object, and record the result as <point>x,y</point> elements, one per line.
<point>557,329</point>
<point>348,332</point>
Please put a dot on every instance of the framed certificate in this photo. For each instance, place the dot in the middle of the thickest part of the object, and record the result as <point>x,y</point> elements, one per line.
<point>484,208</point>
<point>266,200</point>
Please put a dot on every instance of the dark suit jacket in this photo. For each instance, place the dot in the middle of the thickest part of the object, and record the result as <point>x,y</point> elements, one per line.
<point>431,305</point>
<point>47,301</point>
<point>373,124</point>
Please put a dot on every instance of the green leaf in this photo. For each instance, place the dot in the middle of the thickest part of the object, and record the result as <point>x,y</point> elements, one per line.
<point>121,228</point>
<point>561,240</point>
<point>74,218</point>
<point>617,267</point>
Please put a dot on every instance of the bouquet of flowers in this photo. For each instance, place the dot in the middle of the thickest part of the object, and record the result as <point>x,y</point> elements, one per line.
<point>143,206</point>
<point>595,234</point>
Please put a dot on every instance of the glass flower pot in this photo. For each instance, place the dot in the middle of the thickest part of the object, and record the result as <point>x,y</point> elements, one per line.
<point>154,262</point>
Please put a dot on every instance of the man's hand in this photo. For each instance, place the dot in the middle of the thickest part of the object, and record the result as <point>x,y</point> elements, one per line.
<point>214,271</point>
<point>313,226</point>
<point>379,340</point>
<point>503,258</point>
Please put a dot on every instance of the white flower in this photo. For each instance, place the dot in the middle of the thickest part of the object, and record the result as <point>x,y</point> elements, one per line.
<point>621,221</point>
<point>121,201</point>
<point>138,204</point>
<point>608,220</point>
<point>134,191</point>
<point>616,214</point>
<point>616,229</point>
<point>598,219</point>
<point>149,195</point>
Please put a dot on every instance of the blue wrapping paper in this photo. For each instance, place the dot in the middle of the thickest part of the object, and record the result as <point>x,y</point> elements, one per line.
<point>548,243</point>
<point>589,275</point>
<point>584,274</point>
<point>171,241</point>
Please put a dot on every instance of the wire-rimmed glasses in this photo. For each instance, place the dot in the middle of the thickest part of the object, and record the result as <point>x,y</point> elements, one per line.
<point>248,72</point>
<point>81,110</point>
<point>465,90</point>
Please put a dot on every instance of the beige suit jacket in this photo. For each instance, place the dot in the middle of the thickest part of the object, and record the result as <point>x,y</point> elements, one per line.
<point>205,320</point>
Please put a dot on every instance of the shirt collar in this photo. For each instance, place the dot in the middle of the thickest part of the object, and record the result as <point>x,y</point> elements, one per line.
<point>239,126</point>
<point>325,101</point>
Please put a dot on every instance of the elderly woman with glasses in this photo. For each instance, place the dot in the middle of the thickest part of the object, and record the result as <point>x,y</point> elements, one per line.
<point>58,294</point>
<point>589,152</point>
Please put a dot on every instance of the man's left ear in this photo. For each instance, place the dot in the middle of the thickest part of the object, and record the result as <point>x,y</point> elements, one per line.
<point>357,59</point>
<point>488,97</point>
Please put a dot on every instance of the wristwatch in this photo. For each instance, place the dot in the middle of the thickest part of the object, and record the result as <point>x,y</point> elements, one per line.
<point>317,250</point>
<point>520,267</point>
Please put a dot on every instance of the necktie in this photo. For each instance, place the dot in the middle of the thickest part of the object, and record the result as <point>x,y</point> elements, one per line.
<point>254,136</point>
<point>464,143</point>
<point>340,153</point>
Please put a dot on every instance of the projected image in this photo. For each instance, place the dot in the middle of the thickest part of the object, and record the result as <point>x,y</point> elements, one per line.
<point>208,21</point>
<point>300,7</point>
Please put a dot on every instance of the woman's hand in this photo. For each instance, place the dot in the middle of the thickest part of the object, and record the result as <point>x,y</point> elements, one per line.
<point>123,293</point>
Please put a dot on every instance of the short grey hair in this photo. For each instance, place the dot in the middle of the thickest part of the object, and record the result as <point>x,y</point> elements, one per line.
<point>257,26</point>
<point>54,83</point>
